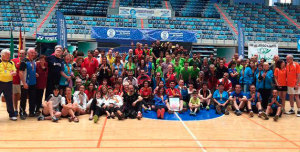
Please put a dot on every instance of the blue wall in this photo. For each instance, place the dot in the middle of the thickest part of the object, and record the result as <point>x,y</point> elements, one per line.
<point>249,1</point>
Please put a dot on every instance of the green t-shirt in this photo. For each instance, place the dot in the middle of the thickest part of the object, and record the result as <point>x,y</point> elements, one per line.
<point>181,61</point>
<point>195,102</point>
<point>132,67</point>
<point>194,72</point>
<point>185,74</point>
<point>158,69</point>
<point>177,69</point>
<point>157,61</point>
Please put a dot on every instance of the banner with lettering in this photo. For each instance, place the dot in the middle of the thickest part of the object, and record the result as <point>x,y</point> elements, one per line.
<point>144,12</point>
<point>263,50</point>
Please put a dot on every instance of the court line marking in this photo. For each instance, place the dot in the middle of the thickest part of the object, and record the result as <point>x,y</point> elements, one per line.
<point>143,140</point>
<point>167,147</point>
<point>271,131</point>
<point>102,132</point>
<point>191,133</point>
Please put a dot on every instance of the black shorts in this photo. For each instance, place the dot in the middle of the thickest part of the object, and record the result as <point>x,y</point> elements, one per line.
<point>254,108</point>
<point>283,88</point>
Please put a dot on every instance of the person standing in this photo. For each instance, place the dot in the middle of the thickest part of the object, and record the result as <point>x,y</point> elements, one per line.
<point>54,68</point>
<point>281,81</point>
<point>28,76</point>
<point>7,71</point>
<point>293,77</point>
<point>90,63</point>
<point>16,80</point>
<point>41,81</point>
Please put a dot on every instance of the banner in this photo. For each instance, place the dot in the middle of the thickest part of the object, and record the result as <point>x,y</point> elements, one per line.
<point>143,34</point>
<point>263,50</point>
<point>144,12</point>
<point>61,29</point>
<point>241,40</point>
<point>46,38</point>
<point>298,43</point>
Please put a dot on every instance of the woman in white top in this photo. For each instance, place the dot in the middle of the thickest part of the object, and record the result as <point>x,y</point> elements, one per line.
<point>80,101</point>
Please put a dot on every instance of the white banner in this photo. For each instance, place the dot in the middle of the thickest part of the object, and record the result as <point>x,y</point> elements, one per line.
<point>263,50</point>
<point>144,12</point>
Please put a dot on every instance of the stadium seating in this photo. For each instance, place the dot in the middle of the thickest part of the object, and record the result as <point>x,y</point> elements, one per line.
<point>84,7</point>
<point>205,28</point>
<point>262,23</point>
<point>21,13</point>
<point>194,8</point>
<point>83,24</point>
<point>141,3</point>
<point>292,10</point>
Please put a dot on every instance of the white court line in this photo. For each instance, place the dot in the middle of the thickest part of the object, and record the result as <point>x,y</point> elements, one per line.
<point>191,133</point>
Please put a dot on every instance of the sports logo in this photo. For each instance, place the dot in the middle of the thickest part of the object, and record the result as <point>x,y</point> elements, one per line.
<point>111,33</point>
<point>164,35</point>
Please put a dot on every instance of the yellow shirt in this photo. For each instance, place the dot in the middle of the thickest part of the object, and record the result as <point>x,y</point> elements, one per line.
<point>110,60</point>
<point>5,69</point>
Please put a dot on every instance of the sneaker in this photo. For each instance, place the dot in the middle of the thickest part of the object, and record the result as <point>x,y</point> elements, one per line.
<point>218,109</point>
<point>108,117</point>
<point>194,114</point>
<point>201,106</point>
<point>112,116</point>
<point>139,116</point>
<point>16,113</point>
<point>96,118</point>
<point>23,116</point>
<point>238,113</point>
<point>120,117</point>
<point>13,118</point>
<point>37,113</point>
<point>264,115</point>
<point>31,115</point>
<point>91,118</point>
<point>276,118</point>
<point>191,113</point>
<point>41,117</point>
<point>291,112</point>
<point>54,119</point>
<point>251,114</point>
<point>298,113</point>
<point>70,119</point>
<point>207,108</point>
<point>226,112</point>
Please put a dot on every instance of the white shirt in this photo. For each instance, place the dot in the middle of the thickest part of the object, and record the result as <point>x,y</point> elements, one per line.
<point>76,99</point>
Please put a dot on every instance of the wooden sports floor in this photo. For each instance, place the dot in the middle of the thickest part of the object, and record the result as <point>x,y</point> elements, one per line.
<point>226,133</point>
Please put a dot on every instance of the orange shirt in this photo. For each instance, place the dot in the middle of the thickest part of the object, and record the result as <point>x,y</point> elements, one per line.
<point>281,76</point>
<point>292,71</point>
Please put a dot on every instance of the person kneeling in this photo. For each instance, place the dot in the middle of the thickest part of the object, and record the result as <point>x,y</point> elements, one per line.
<point>51,106</point>
<point>194,103</point>
<point>274,106</point>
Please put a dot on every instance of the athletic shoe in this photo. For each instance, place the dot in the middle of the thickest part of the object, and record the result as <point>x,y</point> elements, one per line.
<point>201,106</point>
<point>227,110</point>
<point>112,116</point>
<point>96,118</point>
<point>218,108</point>
<point>41,117</point>
<point>207,108</point>
<point>298,113</point>
<point>91,118</point>
<point>31,115</point>
<point>120,117</point>
<point>13,118</point>
<point>194,114</point>
<point>139,116</point>
<point>75,119</point>
<point>191,113</point>
<point>251,114</point>
<point>291,112</point>
<point>264,115</point>
<point>37,113</point>
<point>70,119</point>
<point>16,113</point>
<point>54,119</point>
<point>108,117</point>
<point>238,113</point>
<point>276,118</point>
<point>23,116</point>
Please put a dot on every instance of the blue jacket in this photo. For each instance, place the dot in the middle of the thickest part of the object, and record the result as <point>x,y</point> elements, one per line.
<point>247,77</point>
<point>266,83</point>
<point>158,101</point>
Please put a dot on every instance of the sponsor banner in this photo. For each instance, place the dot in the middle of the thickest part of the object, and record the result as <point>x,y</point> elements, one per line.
<point>241,41</point>
<point>46,38</point>
<point>143,34</point>
<point>263,50</point>
<point>61,29</point>
<point>298,44</point>
<point>144,12</point>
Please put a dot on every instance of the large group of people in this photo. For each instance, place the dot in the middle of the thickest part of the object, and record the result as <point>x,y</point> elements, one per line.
<point>124,85</point>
